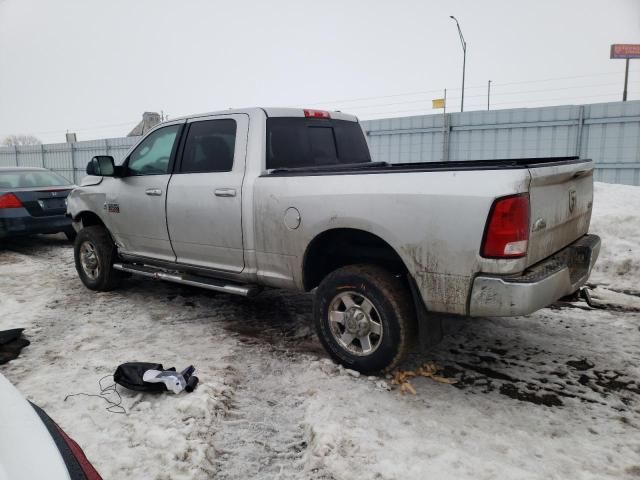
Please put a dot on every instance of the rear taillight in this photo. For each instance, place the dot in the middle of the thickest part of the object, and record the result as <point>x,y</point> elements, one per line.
<point>316,114</point>
<point>507,231</point>
<point>88,470</point>
<point>9,200</point>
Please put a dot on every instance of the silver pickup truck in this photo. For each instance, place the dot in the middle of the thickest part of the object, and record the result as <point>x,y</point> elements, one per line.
<point>238,200</point>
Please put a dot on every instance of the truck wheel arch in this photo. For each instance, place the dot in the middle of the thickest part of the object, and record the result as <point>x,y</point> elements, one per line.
<point>338,247</point>
<point>88,219</point>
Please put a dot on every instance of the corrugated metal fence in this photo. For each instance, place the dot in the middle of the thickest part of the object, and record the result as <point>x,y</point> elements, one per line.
<point>609,133</point>
<point>68,159</point>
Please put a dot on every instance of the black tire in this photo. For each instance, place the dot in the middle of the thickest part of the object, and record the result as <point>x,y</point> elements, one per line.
<point>393,314</point>
<point>71,234</point>
<point>105,277</point>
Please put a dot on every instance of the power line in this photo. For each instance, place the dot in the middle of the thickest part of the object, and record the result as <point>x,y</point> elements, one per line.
<point>560,78</point>
<point>88,129</point>
<point>107,126</point>
<point>519,92</point>
<point>415,101</point>
<point>502,103</point>
<point>379,96</point>
<point>559,99</point>
<point>349,100</point>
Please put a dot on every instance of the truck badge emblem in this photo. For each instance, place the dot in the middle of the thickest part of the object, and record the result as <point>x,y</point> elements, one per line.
<point>572,200</point>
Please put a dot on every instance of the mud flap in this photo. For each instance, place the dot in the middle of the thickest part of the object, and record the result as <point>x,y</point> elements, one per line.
<point>583,293</point>
<point>429,326</point>
<point>586,296</point>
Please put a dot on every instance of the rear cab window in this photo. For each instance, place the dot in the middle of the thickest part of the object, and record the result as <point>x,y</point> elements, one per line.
<point>296,142</point>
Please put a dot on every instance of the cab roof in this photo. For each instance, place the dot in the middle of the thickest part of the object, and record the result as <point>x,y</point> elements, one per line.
<point>272,112</point>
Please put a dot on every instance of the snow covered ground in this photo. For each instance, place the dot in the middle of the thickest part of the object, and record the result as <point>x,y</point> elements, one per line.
<point>553,395</point>
<point>616,218</point>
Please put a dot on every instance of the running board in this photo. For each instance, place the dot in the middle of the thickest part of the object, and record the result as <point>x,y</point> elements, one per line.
<point>192,280</point>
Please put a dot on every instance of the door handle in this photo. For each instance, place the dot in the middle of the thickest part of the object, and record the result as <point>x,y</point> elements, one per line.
<point>225,192</point>
<point>154,192</point>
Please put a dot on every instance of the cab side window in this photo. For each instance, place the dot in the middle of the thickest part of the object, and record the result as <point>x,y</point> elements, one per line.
<point>209,146</point>
<point>152,156</point>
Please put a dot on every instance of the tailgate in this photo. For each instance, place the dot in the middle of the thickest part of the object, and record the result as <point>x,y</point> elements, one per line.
<point>561,198</point>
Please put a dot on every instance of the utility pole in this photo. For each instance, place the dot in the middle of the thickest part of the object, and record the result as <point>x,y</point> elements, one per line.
<point>464,58</point>
<point>445,131</point>
<point>488,95</point>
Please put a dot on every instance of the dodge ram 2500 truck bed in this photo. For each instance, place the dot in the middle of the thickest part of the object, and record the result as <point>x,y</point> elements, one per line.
<point>239,200</point>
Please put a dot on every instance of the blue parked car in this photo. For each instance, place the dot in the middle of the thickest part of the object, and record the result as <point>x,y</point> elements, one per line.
<point>33,200</point>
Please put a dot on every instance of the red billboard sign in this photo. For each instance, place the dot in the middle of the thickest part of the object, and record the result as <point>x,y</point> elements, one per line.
<point>625,50</point>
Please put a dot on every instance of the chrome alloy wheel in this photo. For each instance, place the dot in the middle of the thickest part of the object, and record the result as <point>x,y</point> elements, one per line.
<point>89,260</point>
<point>355,323</point>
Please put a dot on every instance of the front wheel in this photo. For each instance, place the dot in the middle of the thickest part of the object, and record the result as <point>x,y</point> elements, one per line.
<point>364,317</point>
<point>94,254</point>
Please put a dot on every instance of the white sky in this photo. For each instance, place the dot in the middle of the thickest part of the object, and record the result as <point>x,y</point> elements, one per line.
<point>94,66</point>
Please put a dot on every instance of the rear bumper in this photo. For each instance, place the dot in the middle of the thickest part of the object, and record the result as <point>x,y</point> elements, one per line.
<point>27,225</point>
<point>539,286</point>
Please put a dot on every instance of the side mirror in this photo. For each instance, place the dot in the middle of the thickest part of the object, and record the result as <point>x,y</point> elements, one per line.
<point>101,166</point>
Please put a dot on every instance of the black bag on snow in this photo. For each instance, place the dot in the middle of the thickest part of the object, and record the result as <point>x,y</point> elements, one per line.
<point>129,375</point>
<point>11,343</point>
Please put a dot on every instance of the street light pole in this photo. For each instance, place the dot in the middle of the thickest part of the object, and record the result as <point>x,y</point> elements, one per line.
<point>464,58</point>
<point>488,94</point>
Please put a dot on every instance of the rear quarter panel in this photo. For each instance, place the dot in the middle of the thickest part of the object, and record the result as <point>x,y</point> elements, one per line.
<point>433,220</point>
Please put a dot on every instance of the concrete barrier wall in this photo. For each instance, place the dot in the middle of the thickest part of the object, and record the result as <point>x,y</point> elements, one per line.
<point>609,133</point>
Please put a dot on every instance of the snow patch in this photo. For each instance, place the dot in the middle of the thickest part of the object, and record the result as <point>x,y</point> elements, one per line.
<point>616,219</point>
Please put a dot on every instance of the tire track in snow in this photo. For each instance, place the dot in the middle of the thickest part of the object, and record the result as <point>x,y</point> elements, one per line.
<point>263,434</point>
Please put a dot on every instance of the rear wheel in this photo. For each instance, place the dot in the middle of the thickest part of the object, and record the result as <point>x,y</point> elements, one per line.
<point>94,253</point>
<point>365,318</point>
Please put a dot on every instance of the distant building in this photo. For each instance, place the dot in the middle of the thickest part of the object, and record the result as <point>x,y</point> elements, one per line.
<point>149,120</point>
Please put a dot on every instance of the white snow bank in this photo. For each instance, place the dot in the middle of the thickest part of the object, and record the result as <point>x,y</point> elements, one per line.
<point>616,219</point>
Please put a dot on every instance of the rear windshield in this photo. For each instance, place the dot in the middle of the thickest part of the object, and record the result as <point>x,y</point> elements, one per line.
<point>31,179</point>
<point>294,142</point>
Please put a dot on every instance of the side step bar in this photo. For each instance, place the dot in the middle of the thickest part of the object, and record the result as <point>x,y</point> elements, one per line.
<point>192,280</point>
